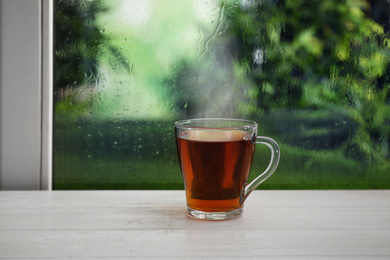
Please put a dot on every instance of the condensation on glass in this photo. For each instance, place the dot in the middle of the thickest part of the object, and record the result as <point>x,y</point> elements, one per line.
<point>125,70</point>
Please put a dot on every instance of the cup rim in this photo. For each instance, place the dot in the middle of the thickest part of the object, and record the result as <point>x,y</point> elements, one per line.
<point>246,123</point>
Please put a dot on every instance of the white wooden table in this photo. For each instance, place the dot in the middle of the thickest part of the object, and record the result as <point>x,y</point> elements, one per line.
<point>154,225</point>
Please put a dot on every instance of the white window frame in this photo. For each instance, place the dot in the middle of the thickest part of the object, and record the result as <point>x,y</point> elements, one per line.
<point>26,106</point>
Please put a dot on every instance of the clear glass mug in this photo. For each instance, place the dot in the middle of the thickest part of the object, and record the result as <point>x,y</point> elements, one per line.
<point>215,158</point>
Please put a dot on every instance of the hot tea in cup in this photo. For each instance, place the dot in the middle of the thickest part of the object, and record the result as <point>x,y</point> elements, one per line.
<point>215,158</point>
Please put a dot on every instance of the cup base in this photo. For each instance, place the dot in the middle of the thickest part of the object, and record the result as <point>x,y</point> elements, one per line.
<point>202,215</point>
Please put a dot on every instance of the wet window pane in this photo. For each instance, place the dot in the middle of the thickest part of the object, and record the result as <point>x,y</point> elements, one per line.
<point>314,74</point>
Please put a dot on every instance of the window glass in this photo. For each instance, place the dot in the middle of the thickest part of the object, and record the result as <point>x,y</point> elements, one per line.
<point>315,75</point>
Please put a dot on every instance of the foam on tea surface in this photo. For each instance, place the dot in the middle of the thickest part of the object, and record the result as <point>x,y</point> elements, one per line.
<point>216,135</point>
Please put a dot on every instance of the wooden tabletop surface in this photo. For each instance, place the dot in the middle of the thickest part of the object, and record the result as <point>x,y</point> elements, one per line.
<point>280,224</point>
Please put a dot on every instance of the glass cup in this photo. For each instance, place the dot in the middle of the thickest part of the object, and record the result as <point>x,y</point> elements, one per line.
<point>215,158</point>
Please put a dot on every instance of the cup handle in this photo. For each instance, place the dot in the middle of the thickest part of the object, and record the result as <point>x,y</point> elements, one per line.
<point>273,164</point>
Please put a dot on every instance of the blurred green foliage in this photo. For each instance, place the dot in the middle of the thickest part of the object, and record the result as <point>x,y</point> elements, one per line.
<point>316,74</point>
<point>77,42</point>
<point>320,55</point>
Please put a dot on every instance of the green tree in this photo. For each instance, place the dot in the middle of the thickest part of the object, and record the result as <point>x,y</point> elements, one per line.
<point>312,54</point>
<point>78,42</point>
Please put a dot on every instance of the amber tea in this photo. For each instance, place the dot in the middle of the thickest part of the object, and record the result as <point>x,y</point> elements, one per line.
<point>215,166</point>
<point>215,158</point>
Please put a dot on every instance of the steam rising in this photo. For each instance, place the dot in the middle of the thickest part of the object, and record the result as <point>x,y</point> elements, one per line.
<point>216,87</point>
<point>216,92</point>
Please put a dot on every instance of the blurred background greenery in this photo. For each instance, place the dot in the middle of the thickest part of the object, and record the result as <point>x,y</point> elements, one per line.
<point>314,74</point>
